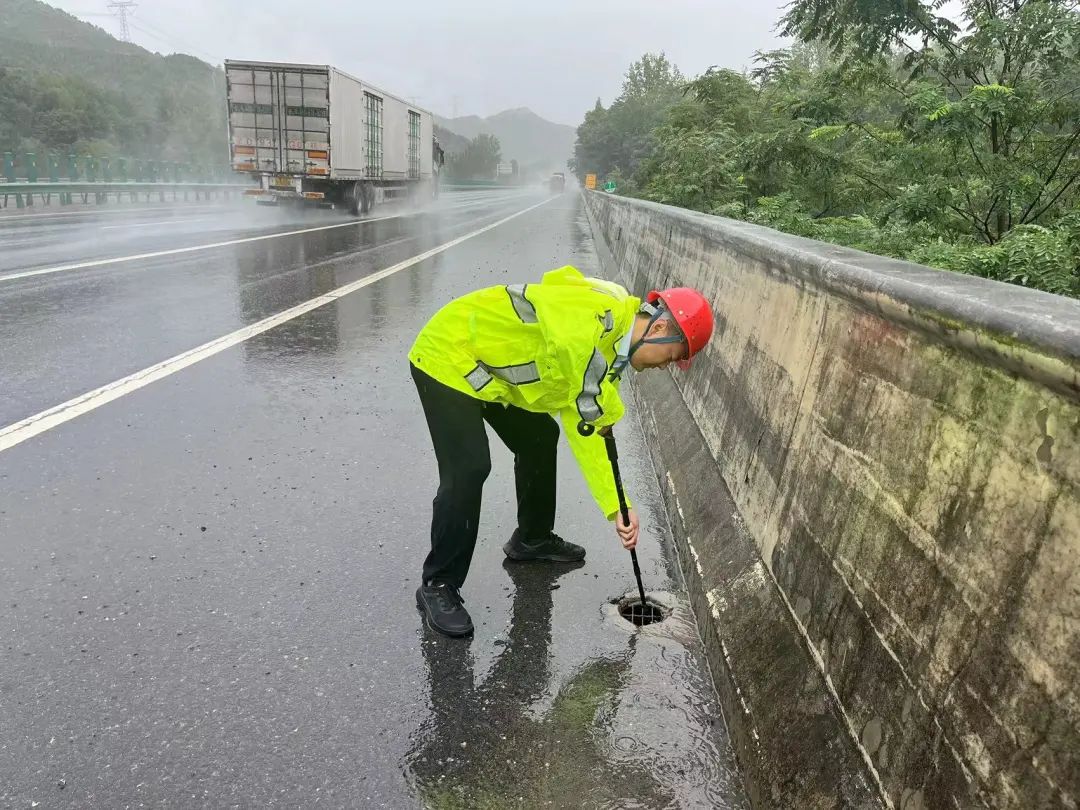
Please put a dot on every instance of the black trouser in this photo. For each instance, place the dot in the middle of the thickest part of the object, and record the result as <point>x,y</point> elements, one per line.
<point>456,422</point>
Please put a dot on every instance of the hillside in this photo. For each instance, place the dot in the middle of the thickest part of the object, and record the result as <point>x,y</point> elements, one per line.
<point>66,84</point>
<point>534,142</point>
<point>451,142</point>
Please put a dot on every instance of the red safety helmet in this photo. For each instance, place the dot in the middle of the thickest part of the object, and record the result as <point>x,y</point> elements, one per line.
<point>691,312</point>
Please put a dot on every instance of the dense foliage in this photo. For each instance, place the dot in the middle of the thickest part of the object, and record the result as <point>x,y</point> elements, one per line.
<point>618,138</point>
<point>66,86</point>
<point>451,142</point>
<point>479,160</point>
<point>50,113</point>
<point>887,128</point>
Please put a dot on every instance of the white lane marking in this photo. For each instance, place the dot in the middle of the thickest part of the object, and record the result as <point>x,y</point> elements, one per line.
<point>161,223</point>
<point>194,208</point>
<point>193,248</point>
<point>174,251</point>
<point>31,426</point>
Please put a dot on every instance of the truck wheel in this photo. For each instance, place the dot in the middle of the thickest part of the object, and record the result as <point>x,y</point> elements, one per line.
<point>367,198</point>
<point>355,199</point>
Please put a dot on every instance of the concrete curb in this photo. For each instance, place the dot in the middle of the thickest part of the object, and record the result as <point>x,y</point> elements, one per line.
<point>791,739</point>
<point>898,443</point>
<point>1032,333</point>
<point>788,734</point>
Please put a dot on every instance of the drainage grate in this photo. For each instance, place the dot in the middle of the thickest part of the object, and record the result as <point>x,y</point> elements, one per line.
<point>641,614</point>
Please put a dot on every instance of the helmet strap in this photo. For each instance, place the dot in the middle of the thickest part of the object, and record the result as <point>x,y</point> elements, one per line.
<point>655,313</point>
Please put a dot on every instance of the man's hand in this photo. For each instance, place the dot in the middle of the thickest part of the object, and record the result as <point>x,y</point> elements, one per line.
<point>628,534</point>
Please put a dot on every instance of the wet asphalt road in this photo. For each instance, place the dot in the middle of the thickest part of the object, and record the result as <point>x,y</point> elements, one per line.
<point>208,582</point>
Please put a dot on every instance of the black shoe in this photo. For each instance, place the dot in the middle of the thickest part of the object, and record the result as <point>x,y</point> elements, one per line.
<point>552,548</point>
<point>443,610</point>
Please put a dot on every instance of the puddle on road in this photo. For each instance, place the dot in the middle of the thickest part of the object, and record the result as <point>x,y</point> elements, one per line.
<point>637,727</point>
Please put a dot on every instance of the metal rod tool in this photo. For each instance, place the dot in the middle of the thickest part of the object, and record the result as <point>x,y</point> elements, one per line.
<point>613,457</point>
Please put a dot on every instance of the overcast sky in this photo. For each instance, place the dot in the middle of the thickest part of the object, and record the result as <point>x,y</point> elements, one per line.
<point>461,56</point>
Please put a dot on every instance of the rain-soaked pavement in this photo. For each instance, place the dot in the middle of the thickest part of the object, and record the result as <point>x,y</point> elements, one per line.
<point>208,582</point>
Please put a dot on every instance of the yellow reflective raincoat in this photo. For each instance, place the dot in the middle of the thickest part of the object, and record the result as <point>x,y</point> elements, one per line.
<point>543,347</point>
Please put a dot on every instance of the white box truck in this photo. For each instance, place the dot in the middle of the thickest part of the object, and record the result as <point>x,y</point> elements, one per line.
<point>314,133</point>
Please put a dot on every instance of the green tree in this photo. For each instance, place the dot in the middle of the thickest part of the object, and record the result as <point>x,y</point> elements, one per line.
<point>886,127</point>
<point>66,86</point>
<point>989,113</point>
<point>693,168</point>
<point>479,160</point>
<point>61,114</point>
<point>621,136</point>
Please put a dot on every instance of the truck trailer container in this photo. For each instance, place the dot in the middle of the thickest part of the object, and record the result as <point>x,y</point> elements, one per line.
<point>314,133</point>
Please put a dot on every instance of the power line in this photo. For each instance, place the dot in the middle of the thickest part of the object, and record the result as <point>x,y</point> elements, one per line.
<point>175,46</point>
<point>169,39</point>
<point>150,30</point>
<point>121,9</point>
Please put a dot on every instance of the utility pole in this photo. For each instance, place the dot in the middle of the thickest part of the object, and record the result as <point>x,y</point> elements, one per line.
<point>121,9</point>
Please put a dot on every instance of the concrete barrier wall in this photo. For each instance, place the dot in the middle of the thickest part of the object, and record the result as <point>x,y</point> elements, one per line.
<point>877,500</point>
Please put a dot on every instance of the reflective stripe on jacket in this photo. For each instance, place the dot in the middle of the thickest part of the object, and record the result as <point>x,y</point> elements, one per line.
<point>543,347</point>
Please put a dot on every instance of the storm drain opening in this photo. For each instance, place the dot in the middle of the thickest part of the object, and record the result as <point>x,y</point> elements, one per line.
<point>639,614</point>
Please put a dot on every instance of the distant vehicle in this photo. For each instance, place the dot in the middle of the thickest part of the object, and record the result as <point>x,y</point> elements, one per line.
<point>313,133</point>
<point>557,183</point>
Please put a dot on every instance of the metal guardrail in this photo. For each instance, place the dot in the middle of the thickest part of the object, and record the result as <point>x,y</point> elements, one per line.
<point>65,193</point>
<point>473,185</point>
<point>27,177</point>
<point>31,168</point>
